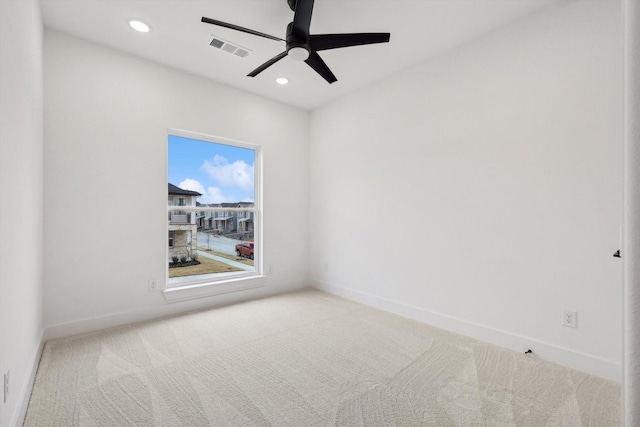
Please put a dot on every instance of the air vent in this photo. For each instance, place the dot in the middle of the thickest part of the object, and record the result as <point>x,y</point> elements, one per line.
<point>241,53</point>
<point>228,47</point>
<point>216,43</point>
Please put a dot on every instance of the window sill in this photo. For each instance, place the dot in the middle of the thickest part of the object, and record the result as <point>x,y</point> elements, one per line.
<point>208,289</point>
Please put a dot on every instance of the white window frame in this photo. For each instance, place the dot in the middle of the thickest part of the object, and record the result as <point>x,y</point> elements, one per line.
<point>189,287</point>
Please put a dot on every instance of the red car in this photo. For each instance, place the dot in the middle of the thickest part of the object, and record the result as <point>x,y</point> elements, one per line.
<point>245,249</point>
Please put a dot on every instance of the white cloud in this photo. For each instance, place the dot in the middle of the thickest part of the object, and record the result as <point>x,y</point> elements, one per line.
<point>210,195</point>
<point>192,185</point>
<point>237,174</point>
<point>214,195</point>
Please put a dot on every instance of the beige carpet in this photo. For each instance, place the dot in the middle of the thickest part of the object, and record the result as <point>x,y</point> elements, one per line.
<point>305,359</point>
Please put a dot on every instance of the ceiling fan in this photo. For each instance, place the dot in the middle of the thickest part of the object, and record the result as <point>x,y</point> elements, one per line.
<point>302,46</point>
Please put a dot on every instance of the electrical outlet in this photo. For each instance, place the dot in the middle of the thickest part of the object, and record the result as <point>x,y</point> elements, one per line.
<point>326,267</point>
<point>570,318</point>
<point>270,269</point>
<point>153,285</point>
<point>6,385</point>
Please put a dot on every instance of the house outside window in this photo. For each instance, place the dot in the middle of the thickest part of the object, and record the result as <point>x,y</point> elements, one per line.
<point>183,245</point>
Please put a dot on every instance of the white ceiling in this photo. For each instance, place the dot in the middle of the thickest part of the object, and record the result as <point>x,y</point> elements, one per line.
<point>419,29</point>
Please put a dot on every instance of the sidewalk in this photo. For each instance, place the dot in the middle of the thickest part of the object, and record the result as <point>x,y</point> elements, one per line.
<point>232,263</point>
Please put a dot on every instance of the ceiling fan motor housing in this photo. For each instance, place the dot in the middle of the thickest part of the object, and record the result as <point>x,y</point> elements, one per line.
<point>295,41</point>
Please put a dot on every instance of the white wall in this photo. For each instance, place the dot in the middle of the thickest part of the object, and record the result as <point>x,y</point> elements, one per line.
<point>106,120</point>
<point>631,249</point>
<point>21,194</point>
<point>481,190</point>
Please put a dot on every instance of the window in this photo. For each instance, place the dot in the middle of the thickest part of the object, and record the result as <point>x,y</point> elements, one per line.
<point>212,192</point>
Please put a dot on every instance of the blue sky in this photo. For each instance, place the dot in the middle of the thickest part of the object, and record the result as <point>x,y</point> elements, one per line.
<point>222,173</point>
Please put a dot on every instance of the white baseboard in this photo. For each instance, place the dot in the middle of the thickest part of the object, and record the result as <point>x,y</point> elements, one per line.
<point>611,370</point>
<point>158,311</point>
<point>27,388</point>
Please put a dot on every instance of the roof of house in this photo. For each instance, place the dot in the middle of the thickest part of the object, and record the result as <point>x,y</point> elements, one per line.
<point>224,204</point>
<point>177,190</point>
<point>233,205</point>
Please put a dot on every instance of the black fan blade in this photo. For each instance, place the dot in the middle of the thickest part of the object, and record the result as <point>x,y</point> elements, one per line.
<point>321,68</point>
<point>334,41</point>
<point>267,64</point>
<point>302,19</point>
<point>237,28</point>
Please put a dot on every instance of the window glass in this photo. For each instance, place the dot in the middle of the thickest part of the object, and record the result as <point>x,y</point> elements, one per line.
<point>212,235</point>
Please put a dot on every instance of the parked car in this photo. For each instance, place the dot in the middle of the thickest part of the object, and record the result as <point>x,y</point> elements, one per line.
<point>245,249</point>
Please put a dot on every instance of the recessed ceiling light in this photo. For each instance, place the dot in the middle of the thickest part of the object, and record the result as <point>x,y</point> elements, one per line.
<point>139,26</point>
<point>282,81</point>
